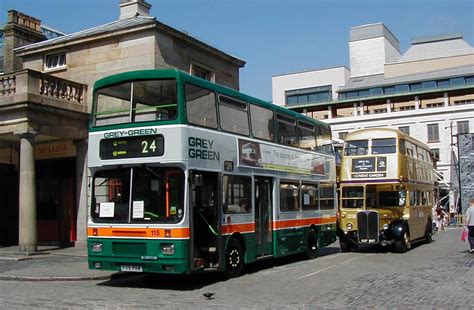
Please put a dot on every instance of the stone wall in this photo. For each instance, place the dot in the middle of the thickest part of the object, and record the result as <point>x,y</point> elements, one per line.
<point>148,49</point>
<point>20,30</point>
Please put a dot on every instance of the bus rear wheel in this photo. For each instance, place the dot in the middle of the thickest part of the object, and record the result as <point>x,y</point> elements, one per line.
<point>234,259</point>
<point>312,244</point>
<point>429,232</point>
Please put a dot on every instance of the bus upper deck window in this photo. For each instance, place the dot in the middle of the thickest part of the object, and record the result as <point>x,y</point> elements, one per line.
<point>233,115</point>
<point>384,146</point>
<point>359,147</point>
<point>200,106</point>
<point>286,130</point>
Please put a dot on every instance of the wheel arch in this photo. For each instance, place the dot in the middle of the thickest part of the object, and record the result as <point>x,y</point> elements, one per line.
<point>238,237</point>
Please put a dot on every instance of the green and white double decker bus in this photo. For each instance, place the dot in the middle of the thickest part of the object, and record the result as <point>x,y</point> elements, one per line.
<point>189,176</point>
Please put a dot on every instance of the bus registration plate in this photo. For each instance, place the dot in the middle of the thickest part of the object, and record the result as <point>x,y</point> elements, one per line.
<point>131,268</point>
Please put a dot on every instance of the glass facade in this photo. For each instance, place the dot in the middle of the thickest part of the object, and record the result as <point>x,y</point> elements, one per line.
<point>403,88</point>
<point>309,95</point>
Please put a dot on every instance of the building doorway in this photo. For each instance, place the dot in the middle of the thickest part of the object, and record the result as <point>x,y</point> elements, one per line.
<point>55,200</point>
<point>9,205</point>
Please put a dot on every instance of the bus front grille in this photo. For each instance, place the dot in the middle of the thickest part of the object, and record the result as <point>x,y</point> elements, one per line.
<point>129,248</point>
<point>368,227</point>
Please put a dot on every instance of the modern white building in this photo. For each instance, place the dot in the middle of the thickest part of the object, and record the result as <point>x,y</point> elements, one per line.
<point>427,91</point>
<point>310,86</point>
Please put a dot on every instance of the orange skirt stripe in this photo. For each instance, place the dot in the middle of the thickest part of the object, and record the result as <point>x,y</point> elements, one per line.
<point>138,232</point>
<point>241,228</point>
<point>303,222</point>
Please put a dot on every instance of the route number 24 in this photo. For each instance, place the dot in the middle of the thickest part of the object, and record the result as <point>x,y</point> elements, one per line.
<point>148,147</point>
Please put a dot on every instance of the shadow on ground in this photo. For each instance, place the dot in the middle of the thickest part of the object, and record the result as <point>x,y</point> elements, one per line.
<point>197,281</point>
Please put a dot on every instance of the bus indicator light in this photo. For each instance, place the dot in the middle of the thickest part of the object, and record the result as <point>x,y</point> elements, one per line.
<point>228,165</point>
<point>167,249</point>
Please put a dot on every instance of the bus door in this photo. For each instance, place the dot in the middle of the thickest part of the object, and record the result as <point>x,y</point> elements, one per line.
<point>263,215</point>
<point>204,224</point>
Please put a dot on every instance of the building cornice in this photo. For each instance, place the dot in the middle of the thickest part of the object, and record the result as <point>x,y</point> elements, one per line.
<point>146,23</point>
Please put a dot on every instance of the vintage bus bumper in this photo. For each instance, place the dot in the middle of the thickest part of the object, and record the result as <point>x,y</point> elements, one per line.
<point>131,255</point>
<point>370,230</point>
<point>384,238</point>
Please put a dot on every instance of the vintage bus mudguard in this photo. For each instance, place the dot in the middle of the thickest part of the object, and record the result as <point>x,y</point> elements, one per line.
<point>396,228</point>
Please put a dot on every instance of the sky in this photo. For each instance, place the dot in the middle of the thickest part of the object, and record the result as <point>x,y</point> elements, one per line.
<point>273,36</point>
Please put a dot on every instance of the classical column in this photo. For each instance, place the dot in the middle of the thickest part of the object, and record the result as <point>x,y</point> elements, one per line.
<point>81,189</point>
<point>446,100</point>
<point>417,103</point>
<point>389,105</point>
<point>28,240</point>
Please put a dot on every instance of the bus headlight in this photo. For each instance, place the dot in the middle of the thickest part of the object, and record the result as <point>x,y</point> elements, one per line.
<point>385,226</point>
<point>349,226</point>
<point>96,247</point>
<point>167,249</point>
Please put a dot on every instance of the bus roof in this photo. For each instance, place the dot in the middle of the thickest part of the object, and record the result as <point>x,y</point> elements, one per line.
<point>184,77</point>
<point>369,133</point>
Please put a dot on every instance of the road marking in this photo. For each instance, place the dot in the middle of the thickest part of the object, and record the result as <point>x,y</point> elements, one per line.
<point>288,266</point>
<point>333,266</point>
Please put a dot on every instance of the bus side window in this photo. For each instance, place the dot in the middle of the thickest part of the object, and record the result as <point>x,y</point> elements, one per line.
<point>201,106</point>
<point>289,196</point>
<point>236,194</point>
<point>262,122</point>
<point>233,115</point>
<point>286,130</point>
<point>402,147</point>
<point>306,136</point>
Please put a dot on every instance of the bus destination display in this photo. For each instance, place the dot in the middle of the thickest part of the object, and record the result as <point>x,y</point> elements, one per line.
<point>130,147</point>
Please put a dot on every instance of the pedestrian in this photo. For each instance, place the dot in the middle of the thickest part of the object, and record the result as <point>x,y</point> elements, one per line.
<point>470,224</point>
<point>440,215</point>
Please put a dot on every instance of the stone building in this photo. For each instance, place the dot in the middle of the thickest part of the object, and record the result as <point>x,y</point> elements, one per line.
<point>427,92</point>
<point>45,101</point>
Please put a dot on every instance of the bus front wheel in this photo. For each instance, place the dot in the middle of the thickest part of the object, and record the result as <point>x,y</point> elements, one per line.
<point>344,245</point>
<point>402,245</point>
<point>234,259</point>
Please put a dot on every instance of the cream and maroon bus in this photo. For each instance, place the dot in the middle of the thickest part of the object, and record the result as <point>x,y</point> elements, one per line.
<point>386,190</point>
<point>189,176</point>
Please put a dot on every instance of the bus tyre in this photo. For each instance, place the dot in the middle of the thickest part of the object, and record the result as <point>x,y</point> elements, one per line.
<point>234,259</point>
<point>344,245</point>
<point>429,232</point>
<point>312,244</point>
<point>403,245</point>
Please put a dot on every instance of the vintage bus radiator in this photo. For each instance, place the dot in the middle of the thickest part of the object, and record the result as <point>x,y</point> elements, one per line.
<point>368,227</point>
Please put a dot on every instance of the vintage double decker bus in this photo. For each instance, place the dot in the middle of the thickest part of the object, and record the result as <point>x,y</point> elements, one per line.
<point>386,190</point>
<point>190,176</point>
